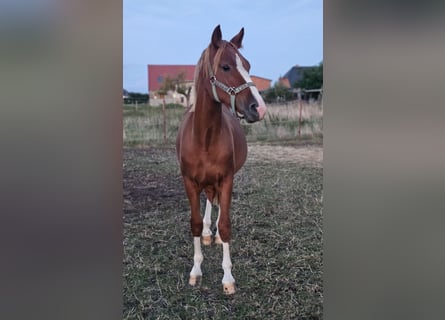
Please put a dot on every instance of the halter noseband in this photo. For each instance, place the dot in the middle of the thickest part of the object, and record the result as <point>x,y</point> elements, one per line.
<point>232,91</point>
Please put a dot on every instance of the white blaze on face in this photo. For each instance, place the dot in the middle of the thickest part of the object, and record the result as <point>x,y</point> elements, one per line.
<point>261,105</point>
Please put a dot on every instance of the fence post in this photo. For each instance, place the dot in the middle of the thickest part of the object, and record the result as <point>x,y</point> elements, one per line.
<point>299,118</point>
<point>164,121</point>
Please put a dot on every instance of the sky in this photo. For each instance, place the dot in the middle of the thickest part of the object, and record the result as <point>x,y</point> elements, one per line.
<point>277,34</point>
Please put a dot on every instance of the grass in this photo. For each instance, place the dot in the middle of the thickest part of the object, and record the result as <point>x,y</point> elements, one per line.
<point>276,247</point>
<point>143,125</point>
<point>282,122</point>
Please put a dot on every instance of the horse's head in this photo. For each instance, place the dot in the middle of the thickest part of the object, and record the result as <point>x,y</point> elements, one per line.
<point>230,82</point>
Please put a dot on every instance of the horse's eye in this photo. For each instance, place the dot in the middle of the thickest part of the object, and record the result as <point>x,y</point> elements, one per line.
<point>226,67</point>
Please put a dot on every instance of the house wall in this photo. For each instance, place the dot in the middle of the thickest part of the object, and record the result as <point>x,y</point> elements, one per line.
<point>157,74</point>
<point>170,97</point>
<point>284,82</point>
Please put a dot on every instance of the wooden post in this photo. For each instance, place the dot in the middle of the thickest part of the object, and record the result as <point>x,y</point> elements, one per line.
<point>165,121</point>
<point>299,118</point>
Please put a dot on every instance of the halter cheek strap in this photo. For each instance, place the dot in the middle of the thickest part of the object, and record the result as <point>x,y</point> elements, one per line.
<point>232,91</point>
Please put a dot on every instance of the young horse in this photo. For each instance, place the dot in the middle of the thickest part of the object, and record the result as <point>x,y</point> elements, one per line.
<point>211,146</point>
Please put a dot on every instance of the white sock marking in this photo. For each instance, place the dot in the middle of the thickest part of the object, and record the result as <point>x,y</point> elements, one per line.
<point>197,258</point>
<point>207,220</point>
<point>227,264</point>
<point>217,222</point>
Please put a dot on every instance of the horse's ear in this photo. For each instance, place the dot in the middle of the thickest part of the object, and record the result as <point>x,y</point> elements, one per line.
<point>216,36</point>
<point>238,39</point>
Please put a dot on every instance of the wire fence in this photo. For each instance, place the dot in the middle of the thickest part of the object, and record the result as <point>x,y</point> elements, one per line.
<point>148,125</point>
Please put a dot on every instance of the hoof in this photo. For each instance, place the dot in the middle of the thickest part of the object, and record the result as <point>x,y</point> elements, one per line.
<point>218,240</point>
<point>229,288</point>
<point>194,280</point>
<point>207,240</point>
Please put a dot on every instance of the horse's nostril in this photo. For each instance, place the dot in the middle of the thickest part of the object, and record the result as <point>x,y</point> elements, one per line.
<point>253,107</point>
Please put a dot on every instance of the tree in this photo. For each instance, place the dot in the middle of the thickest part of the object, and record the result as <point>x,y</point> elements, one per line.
<point>278,93</point>
<point>178,84</point>
<point>312,78</point>
<point>136,97</point>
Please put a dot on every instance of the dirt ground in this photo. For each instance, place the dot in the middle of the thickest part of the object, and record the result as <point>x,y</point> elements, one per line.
<point>304,155</point>
<point>276,247</point>
<point>138,186</point>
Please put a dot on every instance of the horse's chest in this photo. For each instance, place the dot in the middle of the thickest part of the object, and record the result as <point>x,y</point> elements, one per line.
<point>208,170</point>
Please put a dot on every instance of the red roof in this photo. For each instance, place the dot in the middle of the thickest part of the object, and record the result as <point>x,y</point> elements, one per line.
<point>261,83</point>
<point>157,73</point>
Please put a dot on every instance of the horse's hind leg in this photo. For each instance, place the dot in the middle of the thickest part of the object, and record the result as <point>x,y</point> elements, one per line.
<point>217,236</point>
<point>206,233</point>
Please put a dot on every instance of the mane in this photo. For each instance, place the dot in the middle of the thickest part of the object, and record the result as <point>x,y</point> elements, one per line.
<point>202,70</point>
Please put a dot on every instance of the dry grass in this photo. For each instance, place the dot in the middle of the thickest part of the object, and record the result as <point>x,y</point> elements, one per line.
<point>282,122</point>
<point>291,110</point>
<point>144,126</point>
<point>276,247</point>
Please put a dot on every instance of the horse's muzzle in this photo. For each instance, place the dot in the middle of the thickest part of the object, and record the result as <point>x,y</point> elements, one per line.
<point>261,111</point>
<point>254,113</point>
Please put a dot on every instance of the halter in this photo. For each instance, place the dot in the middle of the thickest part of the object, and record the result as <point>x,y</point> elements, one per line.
<point>232,91</point>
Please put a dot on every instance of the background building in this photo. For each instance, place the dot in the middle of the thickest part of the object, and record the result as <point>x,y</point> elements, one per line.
<point>157,74</point>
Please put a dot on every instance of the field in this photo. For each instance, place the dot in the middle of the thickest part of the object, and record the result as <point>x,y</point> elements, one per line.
<point>276,248</point>
<point>143,124</point>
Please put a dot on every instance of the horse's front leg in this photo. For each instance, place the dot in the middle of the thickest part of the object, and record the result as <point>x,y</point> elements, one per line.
<point>196,273</point>
<point>224,230</point>
<point>196,226</point>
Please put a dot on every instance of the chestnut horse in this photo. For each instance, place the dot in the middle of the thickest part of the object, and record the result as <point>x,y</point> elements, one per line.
<point>211,146</point>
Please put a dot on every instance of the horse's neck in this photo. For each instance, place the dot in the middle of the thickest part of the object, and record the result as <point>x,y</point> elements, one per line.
<point>207,120</point>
